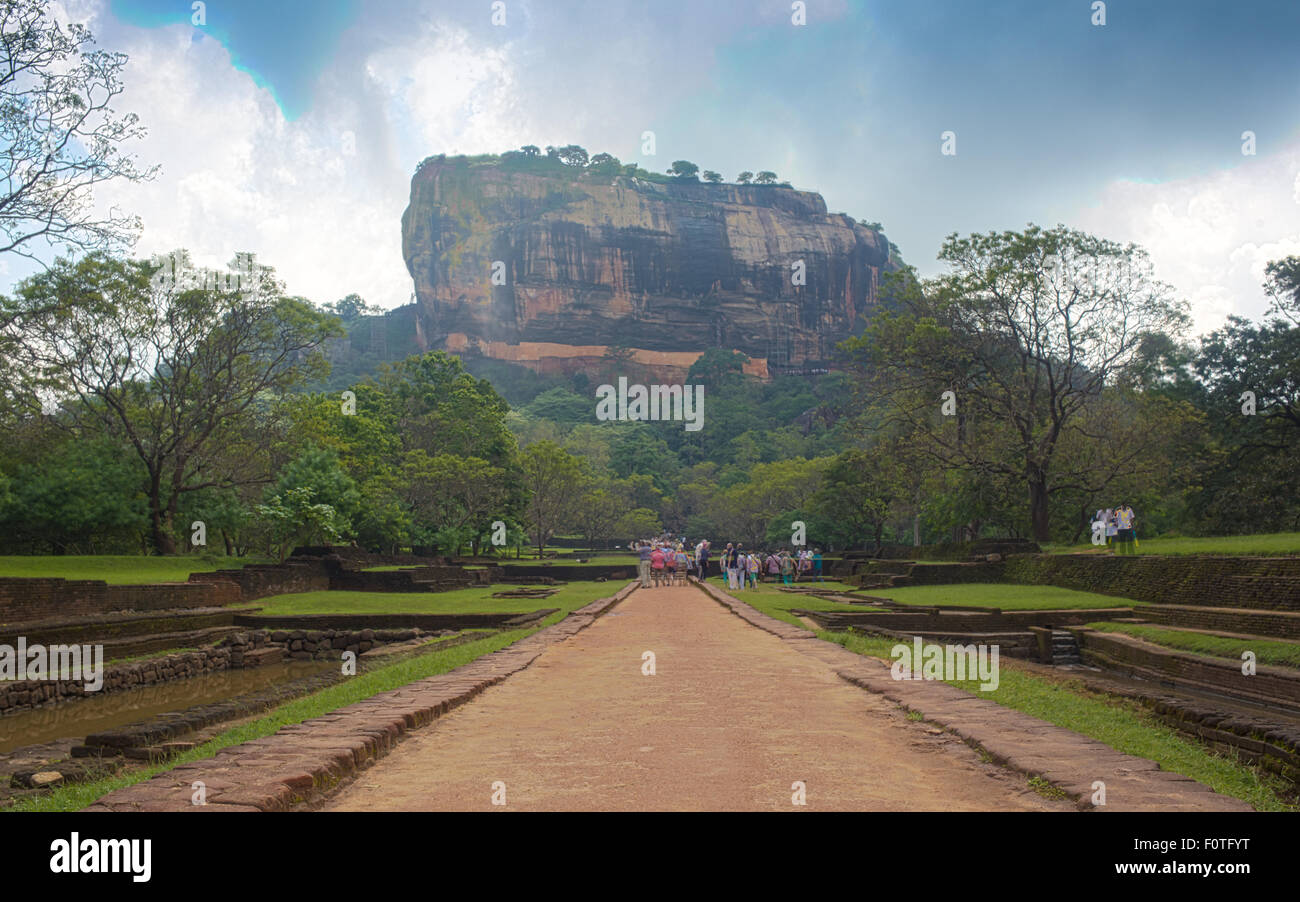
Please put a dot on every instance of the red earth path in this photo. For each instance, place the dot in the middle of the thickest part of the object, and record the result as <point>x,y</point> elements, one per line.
<point>731,720</point>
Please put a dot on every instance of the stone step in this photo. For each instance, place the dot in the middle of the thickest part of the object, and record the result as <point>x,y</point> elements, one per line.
<point>134,646</point>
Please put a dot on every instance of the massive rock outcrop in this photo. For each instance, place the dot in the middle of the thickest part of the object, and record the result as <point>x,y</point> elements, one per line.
<point>598,269</point>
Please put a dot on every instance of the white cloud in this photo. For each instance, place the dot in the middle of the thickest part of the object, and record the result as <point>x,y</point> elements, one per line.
<point>319,198</point>
<point>1212,235</point>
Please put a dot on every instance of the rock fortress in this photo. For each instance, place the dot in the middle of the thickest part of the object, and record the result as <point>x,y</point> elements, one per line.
<point>566,272</point>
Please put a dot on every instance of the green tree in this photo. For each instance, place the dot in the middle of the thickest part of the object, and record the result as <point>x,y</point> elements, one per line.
<point>572,155</point>
<point>717,368</point>
<point>596,516</point>
<point>81,497</point>
<point>1025,332</point>
<point>605,164</point>
<point>745,177</point>
<point>1282,283</point>
<point>183,374</point>
<point>554,480</point>
<point>562,406</point>
<point>641,523</point>
<point>857,495</point>
<point>683,169</point>
<point>439,407</point>
<point>765,178</point>
<point>351,308</point>
<point>293,518</point>
<point>319,469</point>
<point>712,177</point>
<point>454,495</point>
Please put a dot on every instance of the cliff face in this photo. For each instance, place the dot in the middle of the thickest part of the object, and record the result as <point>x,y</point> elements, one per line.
<point>601,266</point>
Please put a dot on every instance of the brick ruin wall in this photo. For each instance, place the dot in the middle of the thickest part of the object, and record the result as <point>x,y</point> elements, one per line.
<point>1277,686</point>
<point>25,600</point>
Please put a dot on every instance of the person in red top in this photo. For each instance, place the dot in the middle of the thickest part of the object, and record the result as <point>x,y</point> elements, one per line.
<point>657,565</point>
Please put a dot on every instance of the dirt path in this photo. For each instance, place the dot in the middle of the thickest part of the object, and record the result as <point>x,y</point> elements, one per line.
<point>731,719</point>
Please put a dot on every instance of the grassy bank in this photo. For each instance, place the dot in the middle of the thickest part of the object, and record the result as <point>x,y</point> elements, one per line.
<point>1267,651</point>
<point>769,599</point>
<point>1265,544</point>
<point>120,569</point>
<point>458,601</point>
<point>1124,725</point>
<point>1007,596</point>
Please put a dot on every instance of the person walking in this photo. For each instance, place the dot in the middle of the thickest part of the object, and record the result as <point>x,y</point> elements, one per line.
<point>754,569</point>
<point>683,565</point>
<point>817,564</point>
<point>787,568</point>
<point>702,560</point>
<point>729,565</point>
<point>1112,528</point>
<point>670,565</point>
<point>773,567</point>
<point>657,565</point>
<point>643,551</point>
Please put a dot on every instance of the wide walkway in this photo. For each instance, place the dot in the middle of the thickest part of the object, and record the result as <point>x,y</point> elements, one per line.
<point>732,718</point>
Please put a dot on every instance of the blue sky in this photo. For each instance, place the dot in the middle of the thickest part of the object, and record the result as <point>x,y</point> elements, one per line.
<point>292,127</point>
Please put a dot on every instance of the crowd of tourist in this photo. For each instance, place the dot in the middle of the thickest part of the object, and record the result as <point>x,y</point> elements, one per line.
<point>1119,526</point>
<point>667,560</point>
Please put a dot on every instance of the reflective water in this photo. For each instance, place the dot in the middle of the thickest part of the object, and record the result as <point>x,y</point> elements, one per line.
<point>104,711</point>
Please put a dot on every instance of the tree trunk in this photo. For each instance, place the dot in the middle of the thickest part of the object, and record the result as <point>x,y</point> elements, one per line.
<point>1039,517</point>
<point>160,533</point>
<point>1084,523</point>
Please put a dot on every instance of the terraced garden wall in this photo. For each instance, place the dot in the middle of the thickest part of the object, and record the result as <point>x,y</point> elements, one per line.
<point>1274,686</point>
<point>32,599</point>
<point>1213,581</point>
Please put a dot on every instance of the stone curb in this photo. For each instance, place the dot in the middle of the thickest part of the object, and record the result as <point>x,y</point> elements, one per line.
<point>305,761</point>
<point>1033,747</point>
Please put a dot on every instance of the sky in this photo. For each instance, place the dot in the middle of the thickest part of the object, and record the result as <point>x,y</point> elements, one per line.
<point>291,128</point>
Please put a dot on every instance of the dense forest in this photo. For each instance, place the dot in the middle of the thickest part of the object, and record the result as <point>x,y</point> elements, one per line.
<point>1045,375</point>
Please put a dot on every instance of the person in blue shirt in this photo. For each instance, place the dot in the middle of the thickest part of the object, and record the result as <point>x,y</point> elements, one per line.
<point>644,550</point>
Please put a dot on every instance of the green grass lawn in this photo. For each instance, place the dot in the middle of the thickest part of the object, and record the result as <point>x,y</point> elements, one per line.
<point>1124,725</point>
<point>458,601</point>
<point>122,569</point>
<point>569,560</point>
<point>769,599</point>
<point>1007,596</point>
<point>1266,544</point>
<point>1284,654</point>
